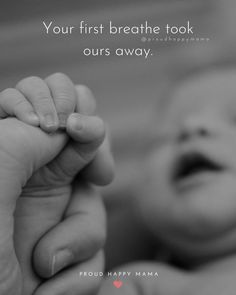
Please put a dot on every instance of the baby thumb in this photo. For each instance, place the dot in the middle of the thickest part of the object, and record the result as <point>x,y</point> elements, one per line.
<point>87,134</point>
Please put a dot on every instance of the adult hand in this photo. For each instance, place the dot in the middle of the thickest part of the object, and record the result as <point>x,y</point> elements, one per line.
<point>31,150</point>
<point>23,150</point>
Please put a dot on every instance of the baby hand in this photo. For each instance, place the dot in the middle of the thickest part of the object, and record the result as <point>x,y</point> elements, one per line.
<point>55,103</point>
<point>57,98</point>
<point>45,103</point>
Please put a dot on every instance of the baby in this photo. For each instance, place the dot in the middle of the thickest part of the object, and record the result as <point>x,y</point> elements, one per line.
<point>188,199</point>
<point>192,174</point>
<point>41,166</point>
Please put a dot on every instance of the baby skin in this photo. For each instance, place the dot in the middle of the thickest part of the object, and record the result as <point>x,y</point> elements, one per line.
<point>53,136</point>
<point>188,199</point>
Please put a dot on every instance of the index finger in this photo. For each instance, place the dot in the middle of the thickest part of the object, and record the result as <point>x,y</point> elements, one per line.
<point>64,96</point>
<point>101,170</point>
<point>86,103</point>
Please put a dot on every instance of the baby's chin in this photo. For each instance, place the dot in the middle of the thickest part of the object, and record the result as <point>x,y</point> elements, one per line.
<point>207,208</point>
<point>198,225</point>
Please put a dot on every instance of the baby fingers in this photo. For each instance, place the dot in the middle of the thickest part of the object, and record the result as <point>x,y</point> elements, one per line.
<point>64,96</point>
<point>88,134</point>
<point>13,103</point>
<point>87,130</point>
<point>38,94</point>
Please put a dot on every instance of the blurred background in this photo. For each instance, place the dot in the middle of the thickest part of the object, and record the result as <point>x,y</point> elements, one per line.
<point>129,90</point>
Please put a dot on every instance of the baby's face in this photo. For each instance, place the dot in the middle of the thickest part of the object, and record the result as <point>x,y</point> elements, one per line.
<point>190,193</point>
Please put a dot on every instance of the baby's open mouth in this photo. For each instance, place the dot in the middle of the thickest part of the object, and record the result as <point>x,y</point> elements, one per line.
<point>193,164</point>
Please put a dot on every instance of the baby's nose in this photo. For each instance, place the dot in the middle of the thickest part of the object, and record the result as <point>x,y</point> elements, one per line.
<point>197,126</point>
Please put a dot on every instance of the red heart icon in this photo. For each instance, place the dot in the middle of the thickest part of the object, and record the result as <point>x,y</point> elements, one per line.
<point>118,284</point>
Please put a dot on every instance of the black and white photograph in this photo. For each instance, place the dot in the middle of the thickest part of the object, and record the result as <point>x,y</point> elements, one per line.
<point>118,147</point>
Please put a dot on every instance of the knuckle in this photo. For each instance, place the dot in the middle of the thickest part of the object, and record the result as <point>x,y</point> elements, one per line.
<point>60,80</point>
<point>64,103</point>
<point>83,157</point>
<point>41,97</point>
<point>59,76</point>
<point>20,104</point>
<point>63,92</point>
<point>31,81</point>
<point>42,103</point>
<point>8,93</point>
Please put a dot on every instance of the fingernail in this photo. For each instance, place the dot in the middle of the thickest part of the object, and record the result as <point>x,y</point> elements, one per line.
<point>49,120</point>
<point>62,120</point>
<point>61,260</point>
<point>77,122</point>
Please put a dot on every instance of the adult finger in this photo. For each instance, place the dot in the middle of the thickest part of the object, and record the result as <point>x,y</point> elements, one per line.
<point>86,103</point>
<point>102,168</point>
<point>38,94</point>
<point>75,280</point>
<point>78,237</point>
<point>64,96</point>
<point>87,133</point>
